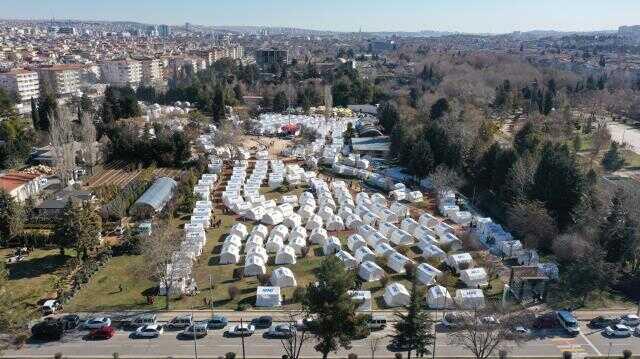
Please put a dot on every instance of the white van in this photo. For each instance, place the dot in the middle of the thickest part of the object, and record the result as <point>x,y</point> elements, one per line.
<point>377,322</point>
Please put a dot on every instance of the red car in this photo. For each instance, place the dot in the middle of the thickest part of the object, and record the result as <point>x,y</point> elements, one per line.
<point>102,333</point>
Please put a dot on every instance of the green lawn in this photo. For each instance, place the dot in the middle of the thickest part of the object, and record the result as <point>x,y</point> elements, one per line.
<point>35,278</point>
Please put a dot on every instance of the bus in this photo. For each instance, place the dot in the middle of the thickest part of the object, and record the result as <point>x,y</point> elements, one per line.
<point>568,322</point>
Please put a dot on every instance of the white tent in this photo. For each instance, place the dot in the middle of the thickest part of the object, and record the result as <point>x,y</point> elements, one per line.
<point>355,241</point>
<point>240,230</point>
<point>379,199</point>
<point>260,230</point>
<point>325,213</point>
<point>280,230</point>
<point>272,217</point>
<point>370,218</point>
<point>470,298</point>
<point>268,297</point>
<point>274,244</point>
<point>297,232</point>
<point>365,230</point>
<point>363,254</point>
<point>314,221</point>
<point>386,228</point>
<point>474,277</point>
<point>231,255</point>
<point>428,220</point>
<point>283,277</point>
<point>255,213</point>
<point>414,197</point>
<point>399,209</point>
<point>510,248</point>
<point>438,297</point>
<point>286,255</point>
<point>306,212</point>
<point>397,262</point>
<point>363,299</point>
<point>353,221</point>
<point>293,220</point>
<point>298,244</point>
<point>253,241</point>
<point>423,231</point>
<point>260,252</point>
<point>528,257</point>
<point>233,239</point>
<point>254,265</point>
<point>370,271</point>
<point>398,195</point>
<point>335,223</point>
<point>409,224</point>
<point>426,273</point>
<point>460,261</point>
<point>347,259</point>
<point>286,209</point>
<point>401,238</point>
<point>431,251</point>
<point>384,249</point>
<point>396,295</point>
<point>331,245</point>
<point>318,236</point>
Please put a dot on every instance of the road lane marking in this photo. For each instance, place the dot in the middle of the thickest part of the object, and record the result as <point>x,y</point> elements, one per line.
<point>591,344</point>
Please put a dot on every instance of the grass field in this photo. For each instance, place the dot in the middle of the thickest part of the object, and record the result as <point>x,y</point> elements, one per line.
<point>35,278</point>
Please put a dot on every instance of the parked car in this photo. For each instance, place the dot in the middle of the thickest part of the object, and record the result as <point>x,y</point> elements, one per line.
<point>50,306</point>
<point>306,324</point>
<point>106,332</point>
<point>217,322</point>
<point>196,330</point>
<point>262,322</point>
<point>97,323</point>
<point>602,321</point>
<point>149,331</point>
<point>545,321</point>
<point>376,322</point>
<point>180,322</point>
<point>48,329</point>
<point>452,320</point>
<point>142,320</point>
<point>489,320</point>
<point>281,331</point>
<point>618,331</point>
<point>70,321</point>
<point>630,320</point>
<point>241,330</point>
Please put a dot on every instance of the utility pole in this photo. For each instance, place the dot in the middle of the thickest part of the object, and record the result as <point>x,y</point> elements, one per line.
<point>242,338</point>
<point>211,293</point>
<point>195,342</point>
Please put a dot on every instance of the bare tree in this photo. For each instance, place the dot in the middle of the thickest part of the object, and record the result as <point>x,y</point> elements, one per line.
<point>531,220</point>
<point>292,345</point>
<point>486,331</point>
<point>328,102</point>
<point>159,251</point>
<point>601,139</point>
<point>61,139</point>
<point>374,342</point>
<point>444,179</point>
<point>227,134</point>
<point>89,149</point>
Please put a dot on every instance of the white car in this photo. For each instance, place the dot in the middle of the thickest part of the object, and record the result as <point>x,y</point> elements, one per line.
<point>97,323</point>
<point>243,330</point>
<point>50,307</point>
<point>630,320</point>
<point>618,330</point>
<point>149,331</point>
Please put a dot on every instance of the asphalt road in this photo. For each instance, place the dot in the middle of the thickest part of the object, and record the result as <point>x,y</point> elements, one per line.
<point>549,343</point>
<point>625,134</point>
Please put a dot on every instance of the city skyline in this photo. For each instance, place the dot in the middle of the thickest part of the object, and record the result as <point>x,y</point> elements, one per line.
<point>489,16</point>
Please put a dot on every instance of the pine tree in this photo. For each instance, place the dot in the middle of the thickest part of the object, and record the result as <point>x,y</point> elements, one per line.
<point>613,160</point>
<point>413,330</point>
<point>12,217</point>
<point>218,105</point>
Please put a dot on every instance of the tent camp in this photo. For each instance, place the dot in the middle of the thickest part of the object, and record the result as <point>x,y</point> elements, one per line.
<point>469,298</point>
<point>401,238</point>
<point>383,249</point>
<point>426,273</point>
<point>318,236</point>
<point>409,224</point>
<point>474,277</point>
<point>363,254</point>
<point>274,244</point>
<point>355,241</point>
<point>283,277</point>
<point>396,295</point>
<point>386,228</point>
<point>268,297</point>
<point>260,252</point>
<point>414,197</point>
<point>353,222</point>
<point>260,230</point>
<point>293,220</point>
<point>272,217</point>
<point>335,223</point>
<point>397,262</point>
<point>254,265</point>
<point>240,230</point>
<point>363,299</point>
<point>286,255</point>
<point>331,245</point>
<point>230,255</point>
<point>438,297</point>
<point>431,251</point>
<point>347,259</point>
<point>370,271</point>
<point>460,261</point>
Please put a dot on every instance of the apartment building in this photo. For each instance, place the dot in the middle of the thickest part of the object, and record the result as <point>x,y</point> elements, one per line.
<point>23,84</point>
<point>272,56</point>
<point>151,71</point>
<point>122,73</point>
<point>63,80</point>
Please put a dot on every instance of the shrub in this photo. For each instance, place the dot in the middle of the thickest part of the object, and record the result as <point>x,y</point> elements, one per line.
<point>352,356</point>
<point>384,281</point>
<point>410,269</point>
<point>566,355</point>
<point>398,356</point>
<point>304,251</point>
<point>242,307</point>
<point>264,279</point>
<point>230,355</point>
<point>627,354</point>
<point>233,292</point>
<point>298,294</point>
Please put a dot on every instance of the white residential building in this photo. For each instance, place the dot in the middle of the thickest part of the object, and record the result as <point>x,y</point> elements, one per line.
<point>62,79</point>
<point>22,83</point>
<point>122,73</point>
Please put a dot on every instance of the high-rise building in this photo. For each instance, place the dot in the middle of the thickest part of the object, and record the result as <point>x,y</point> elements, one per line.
<point>151,71</point>
<point>21,83</point>
<point>164,30</point>
<point>62,79</point>
<point>122,73</point>
<point>271,56</point>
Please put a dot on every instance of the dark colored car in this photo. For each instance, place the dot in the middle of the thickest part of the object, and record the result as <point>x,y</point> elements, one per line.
<point>602,322</point>
<point>48,329</point>
<point>262,322</point>
<point>217,322</point>
<point>545,321</point>
<point>70,321</point>
<point>103,333</point>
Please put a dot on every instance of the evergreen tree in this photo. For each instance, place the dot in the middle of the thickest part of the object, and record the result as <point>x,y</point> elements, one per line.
<point>280,102</point>
<point>618,232</point>
<point>439,108</point>
<point>35,115</point>
<point>527,139</point>
<point>413,329</point>
<point>218,105</point>
<point>12,217</point>
<point>613,160</point>
<point>237,92</point>
<point>389,116</point>
<point>80,227</point>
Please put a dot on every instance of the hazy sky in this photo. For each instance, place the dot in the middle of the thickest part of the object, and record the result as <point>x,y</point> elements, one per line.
<point>348,15</point>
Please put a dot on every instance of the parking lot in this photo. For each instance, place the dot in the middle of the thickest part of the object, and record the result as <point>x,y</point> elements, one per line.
<point>545,343</point>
